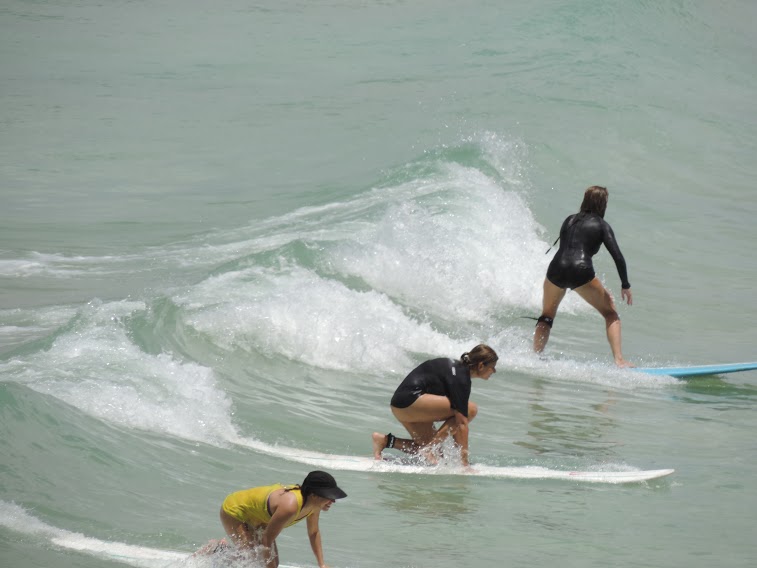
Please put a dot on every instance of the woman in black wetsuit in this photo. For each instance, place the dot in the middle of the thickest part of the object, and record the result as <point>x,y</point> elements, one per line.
<point>581,235</point>
<point>435,391</point>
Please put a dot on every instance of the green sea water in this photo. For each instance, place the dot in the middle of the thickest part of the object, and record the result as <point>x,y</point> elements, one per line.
<point>228,231</point>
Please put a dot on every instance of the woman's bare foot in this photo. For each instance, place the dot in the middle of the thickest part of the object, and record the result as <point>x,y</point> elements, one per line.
<point>379,443</point>
<point>429,455</point>
<point>623,364</point>
<point>212,547</point>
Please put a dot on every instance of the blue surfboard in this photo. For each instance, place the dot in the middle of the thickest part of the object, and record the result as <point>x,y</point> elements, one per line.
<point>698,370</point>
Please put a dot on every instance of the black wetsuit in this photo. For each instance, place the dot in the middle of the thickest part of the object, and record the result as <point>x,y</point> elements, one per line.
<point>443,377</point>
<point>581,235</point>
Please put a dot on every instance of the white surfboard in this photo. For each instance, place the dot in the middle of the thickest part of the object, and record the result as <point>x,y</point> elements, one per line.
<point>698,370</point>
<point>395,465</point>
<point>360,463</point>
<point>137,556</point>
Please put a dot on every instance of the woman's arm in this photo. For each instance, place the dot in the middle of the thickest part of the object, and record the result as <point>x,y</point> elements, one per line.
<point>608,238</point>
<point>284,510</point>
<point>314,534</point>
<point>460,435</point>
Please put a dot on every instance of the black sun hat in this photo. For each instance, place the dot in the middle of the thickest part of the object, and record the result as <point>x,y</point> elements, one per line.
<point>322,484</point>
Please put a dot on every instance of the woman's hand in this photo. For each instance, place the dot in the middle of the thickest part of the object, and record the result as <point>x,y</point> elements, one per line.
<point>626,295</point>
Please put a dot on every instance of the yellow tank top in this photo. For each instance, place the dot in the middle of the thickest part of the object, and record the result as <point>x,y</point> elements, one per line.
<point>251,505</point>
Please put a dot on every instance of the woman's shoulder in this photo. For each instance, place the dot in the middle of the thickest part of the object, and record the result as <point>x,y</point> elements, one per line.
<point>441,366</point>
<point>435,363</point>
<point>569,219</point>
<point>284,497</point>
<point>605,225</point>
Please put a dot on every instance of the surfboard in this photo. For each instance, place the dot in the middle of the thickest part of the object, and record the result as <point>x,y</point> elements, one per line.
<point>391,465</point>
<point>139,556</point>
<point>399,464</point>
<point>698,370</point>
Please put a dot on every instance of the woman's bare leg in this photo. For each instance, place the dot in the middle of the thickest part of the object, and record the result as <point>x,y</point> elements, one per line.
<point>239,532</point>
<point>598,297</point>
<point>448,428</point>
<point>213,546</point>
<point>248,538</point>
<point>418,419</point>
<point>553,295</point>
<point>381,442</point>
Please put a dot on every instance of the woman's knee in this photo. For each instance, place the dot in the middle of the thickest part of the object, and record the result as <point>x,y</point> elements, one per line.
<point>611,316</point>
<point>472,410</point>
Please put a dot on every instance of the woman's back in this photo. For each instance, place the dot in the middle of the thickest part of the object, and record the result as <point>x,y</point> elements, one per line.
<point>581,236</point>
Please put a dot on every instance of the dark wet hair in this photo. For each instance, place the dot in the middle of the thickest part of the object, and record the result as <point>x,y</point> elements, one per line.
<point>595,200</point>
<point>479,354</point>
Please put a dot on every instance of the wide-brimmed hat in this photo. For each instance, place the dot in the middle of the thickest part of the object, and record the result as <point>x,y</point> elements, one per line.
<point>322,484</point>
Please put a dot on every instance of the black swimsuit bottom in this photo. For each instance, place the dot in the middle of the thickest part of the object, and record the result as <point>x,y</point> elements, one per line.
<point>566,274</point>
<point>406,395</point>
<point>441,377</point>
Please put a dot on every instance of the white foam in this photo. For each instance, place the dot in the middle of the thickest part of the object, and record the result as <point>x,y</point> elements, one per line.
<point>465,252</point>
<point>62,266</point>
<point>18,519</point>
<point>317,321</point>
<point>443,256</point>
<point>98,369</point>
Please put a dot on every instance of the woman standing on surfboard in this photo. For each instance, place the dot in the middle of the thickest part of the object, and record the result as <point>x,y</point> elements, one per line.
<point>580,237</point>
<point>437,391</point>
<point>255,517</point>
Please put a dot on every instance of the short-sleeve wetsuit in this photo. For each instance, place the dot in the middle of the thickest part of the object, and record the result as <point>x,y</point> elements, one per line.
<point>581,235</point>
<point>442,377</point>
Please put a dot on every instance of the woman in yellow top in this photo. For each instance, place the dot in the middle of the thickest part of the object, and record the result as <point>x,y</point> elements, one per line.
<point>255,517</point>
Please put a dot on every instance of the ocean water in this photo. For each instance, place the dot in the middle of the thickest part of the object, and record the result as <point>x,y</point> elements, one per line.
<point>228,231</point>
